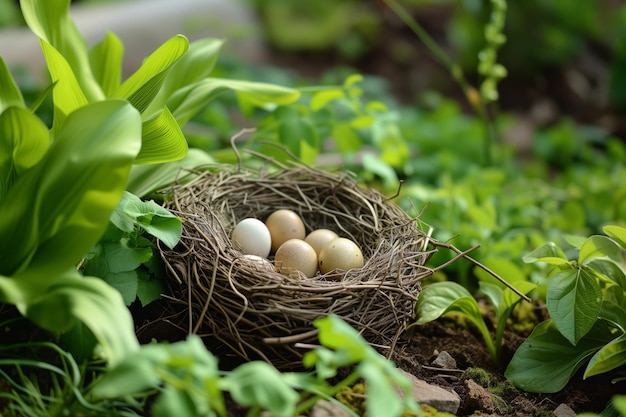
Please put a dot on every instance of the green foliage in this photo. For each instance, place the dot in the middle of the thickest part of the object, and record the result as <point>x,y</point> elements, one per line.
<point>124,256</point>
<point>585,299</point>
<point>189,383</point>
<point>440,298</point>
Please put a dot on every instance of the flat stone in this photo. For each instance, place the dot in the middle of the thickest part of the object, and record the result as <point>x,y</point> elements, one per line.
<point>433,395</point>
<point>324,408</point>
<point>478,398</point>
<point>444,360</point>
<point>564,410</point>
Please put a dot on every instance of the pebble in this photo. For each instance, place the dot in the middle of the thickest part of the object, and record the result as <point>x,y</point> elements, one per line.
<point>564,410</point>
<point>444,360</point>
<point>433,395</point>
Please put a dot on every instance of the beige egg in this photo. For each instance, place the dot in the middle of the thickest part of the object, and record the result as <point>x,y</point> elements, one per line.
<point>260,262</point>
<point>296,255</point>
<point>284,225</point>
<point>341,254</point>
<point>318,238</point>
<point>251,236</point>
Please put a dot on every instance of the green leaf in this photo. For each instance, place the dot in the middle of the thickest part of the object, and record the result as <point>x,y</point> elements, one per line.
<point>197,63</point>
<point>504,267</point>
<point>614,314</point>
<point>148,289</point>
<point>10,94</point>
<point>57,210</point>
<point>549,253</point>
<point>143,85</point>
<point>575,240</point>
<point>599,247</point>
<point>24,140</point>
<point>146,179</point>
<point>322,98</point>
<point>71,296</point>
<point>188,101</point>
<point>258,384</point>
<point>163,141</point>
<point>175,402</point>
<point>574,299</point>
<point>440,298</point>
<point>154,219</point>
<point>346,139</point>
<point>51,22</point>
<point>617,233</point>
<point>610,357</point>
<point>126,282</point>
<point>382,399</point>
<point>106,59</point>
<point>608,269</point>
<point>67,94</point>
<point>122,258</point>
<point>546,361</point>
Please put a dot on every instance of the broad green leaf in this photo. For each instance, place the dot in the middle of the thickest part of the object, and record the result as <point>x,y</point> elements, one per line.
<point>574,299</point>
<point>154,219</point>
<point>174,401</point>
<point>258,384</point>
<point>614,314</point>
<point>126,282</point>
<point>549,253</point>
<point>146,179</point>
<point>51,22</point>
<point>382,398</point>
<point>106,59</point>
<point>10,94</point>
<point>611,356</point>
<point>608,269</point>
<point>24,140</point>
<point>163,141</point>
<point>346,139</point>
<point>440,298</point>
<point>57,210</point>
<point>575,240</point>
<point>143,85</point>
<point>67,94</point>
<point>123,258</point>
<point>188,101</point>
<point>372,163</point>
<point>148,289</point>
<point>504,267</point>
<point>546,361</point>
<point>197,63</point>
<point>617,233</point>
<point>322,98</point>
<point>55,302</point>
<point>599,247</point>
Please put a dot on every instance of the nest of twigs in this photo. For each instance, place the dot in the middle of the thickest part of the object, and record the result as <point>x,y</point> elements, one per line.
<point>255,313</point>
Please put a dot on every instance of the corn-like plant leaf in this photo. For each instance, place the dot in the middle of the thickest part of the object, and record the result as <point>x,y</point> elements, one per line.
<point>24,140</point>
<point>146,179</point>
<point>51,22</point>
<point>63,299</point>
<point>67,94</point>
<point>574,299</point>
<point>57,210</point>
<point>106,59</point>
<point>163,141</point>
<point>197,63</point>
<point>10,94</point>
<point>143,85</point>
<point>188,101</point>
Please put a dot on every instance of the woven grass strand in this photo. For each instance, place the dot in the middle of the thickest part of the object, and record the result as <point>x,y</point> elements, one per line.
<point>253,313</point>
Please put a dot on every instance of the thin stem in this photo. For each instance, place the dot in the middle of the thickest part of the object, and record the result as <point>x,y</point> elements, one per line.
<point>310,402</point>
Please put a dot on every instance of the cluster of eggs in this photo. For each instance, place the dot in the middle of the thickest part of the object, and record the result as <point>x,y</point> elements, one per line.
<point>284,235</point>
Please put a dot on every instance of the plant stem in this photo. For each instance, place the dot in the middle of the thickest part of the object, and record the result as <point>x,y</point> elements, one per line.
<point>310,402</point>
<point>472,95</point>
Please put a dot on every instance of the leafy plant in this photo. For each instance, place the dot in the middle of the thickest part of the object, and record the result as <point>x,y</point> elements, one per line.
<point>441,298</point>
<point>585,299</point>
<point>190,384</point>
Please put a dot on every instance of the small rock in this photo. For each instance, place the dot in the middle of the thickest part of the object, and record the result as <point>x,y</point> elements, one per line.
<point>444,360</point>
<point>324,408</point>
<point>564,410</point>
<point>478,398</point>
<point>433,395</point>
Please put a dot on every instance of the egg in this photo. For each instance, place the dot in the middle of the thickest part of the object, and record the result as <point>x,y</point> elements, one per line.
<point>318,238</point>
<point>340,253</point>
<point>284,225</point>
<point>252,237</point>
<point>296,255</point>
<point>259,262</point>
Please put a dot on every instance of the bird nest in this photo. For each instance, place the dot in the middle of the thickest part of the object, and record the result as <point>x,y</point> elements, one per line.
<point>253,312</point>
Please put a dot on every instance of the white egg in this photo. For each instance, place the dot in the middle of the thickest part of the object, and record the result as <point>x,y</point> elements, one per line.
<point>252,237</point>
